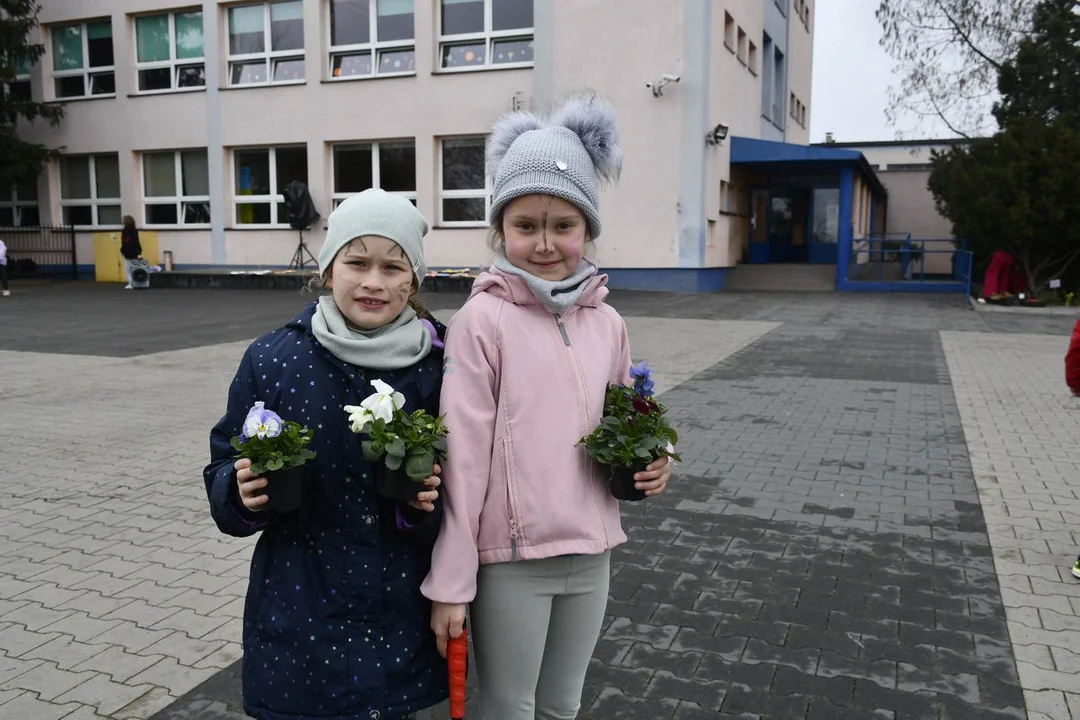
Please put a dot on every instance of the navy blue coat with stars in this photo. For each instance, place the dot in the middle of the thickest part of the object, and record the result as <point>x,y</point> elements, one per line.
<point>335,626</point>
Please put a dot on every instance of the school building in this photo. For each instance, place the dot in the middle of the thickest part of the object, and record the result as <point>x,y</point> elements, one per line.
<point>194,118</point>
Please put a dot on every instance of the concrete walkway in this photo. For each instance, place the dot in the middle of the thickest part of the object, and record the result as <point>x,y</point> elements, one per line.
<point>824,553</point>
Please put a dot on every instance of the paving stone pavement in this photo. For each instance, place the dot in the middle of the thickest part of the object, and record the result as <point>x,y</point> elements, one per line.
<point>823,553</point>
<point>1022,426</point>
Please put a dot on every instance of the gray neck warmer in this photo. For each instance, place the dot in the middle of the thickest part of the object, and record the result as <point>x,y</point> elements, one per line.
<point>556,296</point>
<point>396,345</point>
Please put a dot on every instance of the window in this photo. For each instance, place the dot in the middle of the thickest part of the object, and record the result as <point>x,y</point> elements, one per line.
<point>18,88</point>
<point>767,76</point>
<point>19,208</point>
<point>464,198</point>
<point>371,37</point>
<point>90,190</point>
<point>176,188</point>
<point>729,31</point>
<point>779,86</point>
<point>751,58</point>
<point>741,47</point>
<point>266,43</point>
<point>791,105</point>
<point>260,175</point>
<point>485,33</point>
<point>802,114</point>
<point>83,60</point>
<point>387,165</point>
<point>169,51</point>
<point>782,6</point>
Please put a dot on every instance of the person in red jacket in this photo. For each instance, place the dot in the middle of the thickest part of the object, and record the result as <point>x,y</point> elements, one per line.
<point>1072,379</point>
<point>1072,361</point>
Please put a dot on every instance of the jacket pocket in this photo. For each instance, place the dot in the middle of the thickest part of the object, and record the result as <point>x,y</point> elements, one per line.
<point>513,517</point>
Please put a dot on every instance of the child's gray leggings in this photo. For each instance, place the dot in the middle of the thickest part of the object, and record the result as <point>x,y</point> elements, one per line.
<point>535,624</point>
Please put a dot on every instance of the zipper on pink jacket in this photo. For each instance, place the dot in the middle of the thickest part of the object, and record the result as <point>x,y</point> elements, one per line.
<point>562,330</point>
<point>577,364</point>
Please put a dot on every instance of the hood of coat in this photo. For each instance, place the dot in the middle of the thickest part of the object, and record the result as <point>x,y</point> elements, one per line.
<point>514,289</point>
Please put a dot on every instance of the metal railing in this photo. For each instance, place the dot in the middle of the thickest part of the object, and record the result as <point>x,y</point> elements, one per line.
<point>44,250</point>
<point>897,260</point>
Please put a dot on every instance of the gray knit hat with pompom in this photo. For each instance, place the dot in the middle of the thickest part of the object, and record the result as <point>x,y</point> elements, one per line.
<point>566,155</point>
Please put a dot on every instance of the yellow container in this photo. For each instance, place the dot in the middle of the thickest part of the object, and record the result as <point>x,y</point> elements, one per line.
<point>109,263</point>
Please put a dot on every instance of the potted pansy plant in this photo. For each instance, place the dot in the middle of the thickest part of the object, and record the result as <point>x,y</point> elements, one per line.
<point>278,450</point>
<point>632,434</point>
<point>407,444</point>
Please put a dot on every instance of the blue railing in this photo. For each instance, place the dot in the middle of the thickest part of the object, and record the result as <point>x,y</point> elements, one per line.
<point>895,262</point>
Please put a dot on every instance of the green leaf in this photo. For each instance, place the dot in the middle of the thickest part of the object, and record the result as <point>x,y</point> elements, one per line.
<point>371,451</point>
<point>393,462</point>
<point>274,464</point>
<point>419,467</point>
<point>396,447</point>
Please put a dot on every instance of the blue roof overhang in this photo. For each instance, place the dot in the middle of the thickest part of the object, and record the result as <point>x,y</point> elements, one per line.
<point>771,157</point>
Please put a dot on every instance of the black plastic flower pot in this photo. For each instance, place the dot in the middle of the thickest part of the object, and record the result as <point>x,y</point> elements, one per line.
<point>621,483</point>
<point>396,484</point>
<point>285,489</point>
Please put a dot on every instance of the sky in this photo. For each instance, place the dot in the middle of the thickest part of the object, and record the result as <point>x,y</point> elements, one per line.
<point>851,77</point>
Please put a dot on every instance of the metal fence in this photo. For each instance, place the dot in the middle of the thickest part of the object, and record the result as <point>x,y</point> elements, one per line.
<point>40,250</point>
<point>896,262</point>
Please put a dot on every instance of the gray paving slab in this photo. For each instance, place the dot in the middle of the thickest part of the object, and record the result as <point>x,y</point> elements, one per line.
<point>823,553</point>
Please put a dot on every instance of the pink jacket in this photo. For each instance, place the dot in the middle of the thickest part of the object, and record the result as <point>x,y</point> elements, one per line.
<point>521,387</point>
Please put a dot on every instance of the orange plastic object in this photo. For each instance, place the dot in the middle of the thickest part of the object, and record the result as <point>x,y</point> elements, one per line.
<point>457,659</point>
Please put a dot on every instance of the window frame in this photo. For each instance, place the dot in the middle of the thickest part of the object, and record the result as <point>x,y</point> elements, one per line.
<point>374,47</point>
<point>751,57</point>
<point>469,194</point>
<point>173,63</point>
<point>336,198</point>
<point>269,56</point>
<point>179,200</point>
<point>15,205</point>
<point>487,35</point>
<point>85,72</point>
<point>93,202</point>
<point>273,199</point>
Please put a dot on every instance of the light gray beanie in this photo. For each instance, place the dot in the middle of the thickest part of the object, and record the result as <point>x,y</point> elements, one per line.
<point>376,212</point>
<point>566,155</point>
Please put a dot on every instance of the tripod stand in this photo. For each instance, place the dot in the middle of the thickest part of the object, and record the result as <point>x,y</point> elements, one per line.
<point>298,261</point>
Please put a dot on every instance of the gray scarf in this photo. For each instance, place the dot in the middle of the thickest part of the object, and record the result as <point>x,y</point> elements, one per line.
<point>396,345</point>
<point>557,296</point>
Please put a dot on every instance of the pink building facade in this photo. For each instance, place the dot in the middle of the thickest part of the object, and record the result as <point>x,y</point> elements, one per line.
<point>193,118</point>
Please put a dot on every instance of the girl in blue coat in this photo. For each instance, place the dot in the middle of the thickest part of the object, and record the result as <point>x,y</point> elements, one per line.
<point>335,626</point>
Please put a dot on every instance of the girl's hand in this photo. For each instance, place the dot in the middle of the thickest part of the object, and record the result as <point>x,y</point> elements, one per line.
<point>655,477</point>
<point>426,500</point>
<point>447,621</point>
<point>250,485</point>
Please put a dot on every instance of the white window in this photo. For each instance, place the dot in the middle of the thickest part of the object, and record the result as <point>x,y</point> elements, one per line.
<point>169,51</point>
<point>266,43</point>
<point>176,188</point>
<point>485,33</point>
<point>371,37</point>
<point>260,176</point>
<point>390,166</point>
<point>83,60</point>
<point>19,208</point>
<point>464,197</point>
<point>90,190</point>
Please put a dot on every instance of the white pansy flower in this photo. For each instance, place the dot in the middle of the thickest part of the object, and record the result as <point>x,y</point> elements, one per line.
<point>383,402</point>
<point>359,418</point>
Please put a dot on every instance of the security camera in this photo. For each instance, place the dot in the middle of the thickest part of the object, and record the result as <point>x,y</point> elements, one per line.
<point>658,88</point>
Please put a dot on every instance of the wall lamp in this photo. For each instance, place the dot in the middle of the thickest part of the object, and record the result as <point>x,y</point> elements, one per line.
<point>717,135</point>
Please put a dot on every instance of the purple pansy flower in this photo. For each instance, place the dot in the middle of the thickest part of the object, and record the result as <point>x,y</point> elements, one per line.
<point>262,423</point>
<point>643,382</point>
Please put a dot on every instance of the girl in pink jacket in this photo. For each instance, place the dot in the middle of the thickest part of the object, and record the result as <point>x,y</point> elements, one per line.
<point>529,522</point>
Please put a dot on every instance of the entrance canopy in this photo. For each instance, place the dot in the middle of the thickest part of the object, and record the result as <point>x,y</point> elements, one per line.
<point>807,203</point>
